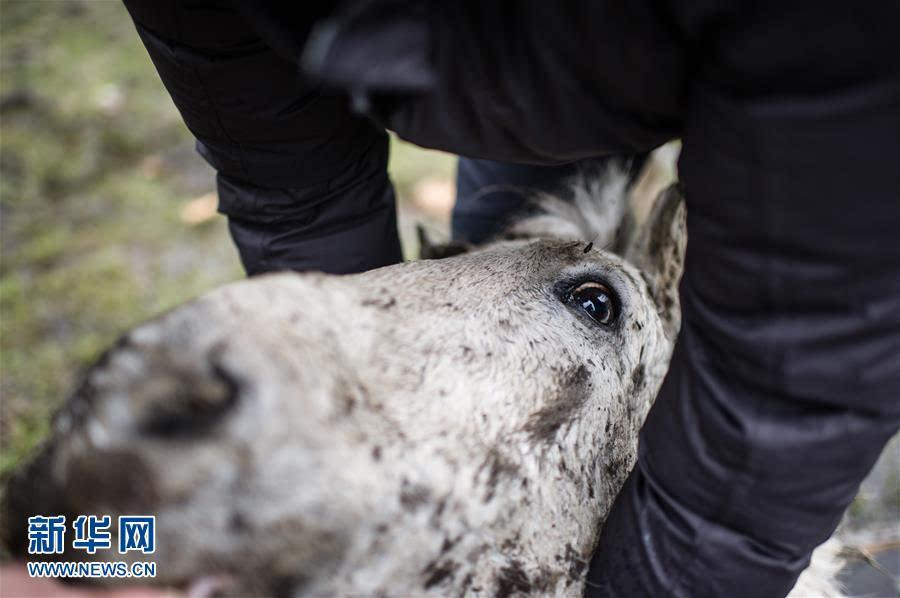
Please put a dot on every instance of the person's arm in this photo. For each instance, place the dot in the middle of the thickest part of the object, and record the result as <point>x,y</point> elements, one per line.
<point>530,82</point>
<point>785,381</point>
<point>302,180</point>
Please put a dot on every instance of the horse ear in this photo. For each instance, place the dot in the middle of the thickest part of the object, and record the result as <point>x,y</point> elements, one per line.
<point>657,249</point>
<point>429,250</point>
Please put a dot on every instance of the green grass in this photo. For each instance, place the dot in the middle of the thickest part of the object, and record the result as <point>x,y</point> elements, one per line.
<point>95,166</point>
<point>91,239</point>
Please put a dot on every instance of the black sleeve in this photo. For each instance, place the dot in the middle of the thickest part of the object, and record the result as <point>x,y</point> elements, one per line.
<point>534,82</point>
<point>302,179</point>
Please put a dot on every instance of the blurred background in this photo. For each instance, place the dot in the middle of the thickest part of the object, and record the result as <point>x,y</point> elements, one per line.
<point>108,216</point>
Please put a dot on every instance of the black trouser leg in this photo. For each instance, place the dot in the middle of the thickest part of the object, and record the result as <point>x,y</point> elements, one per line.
<point>785,382</point>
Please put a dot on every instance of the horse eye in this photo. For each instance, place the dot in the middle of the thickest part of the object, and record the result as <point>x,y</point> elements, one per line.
<point>597,302</point>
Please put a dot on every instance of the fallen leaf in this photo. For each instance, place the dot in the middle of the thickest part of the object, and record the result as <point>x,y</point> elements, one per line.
<point>201,209</point>
<point>435,197</point>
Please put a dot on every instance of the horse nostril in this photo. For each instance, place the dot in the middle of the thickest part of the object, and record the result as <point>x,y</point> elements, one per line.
<point>189,400</point>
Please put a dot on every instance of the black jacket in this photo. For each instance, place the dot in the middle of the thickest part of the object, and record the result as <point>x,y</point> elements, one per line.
<point>785,383</point>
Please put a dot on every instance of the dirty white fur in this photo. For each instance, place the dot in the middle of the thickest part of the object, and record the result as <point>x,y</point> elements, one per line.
<point>819,580</point>
<point>593,211</point>
<point>445,427</point>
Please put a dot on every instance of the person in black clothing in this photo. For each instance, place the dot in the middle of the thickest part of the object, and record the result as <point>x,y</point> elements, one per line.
<point>301,178</point>
<point>785,382</point>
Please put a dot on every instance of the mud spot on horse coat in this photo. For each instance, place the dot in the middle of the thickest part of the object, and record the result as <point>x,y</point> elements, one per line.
<point>348,402</point>
<point>238,523</point>
<point>448,544</point>
<point>385,301</point>
<point>637,377</point>
<point>286,586</point>
<point>574,392</point>
<point>512,578</point>
<point>577,564</point>
<point>436,572</point>
<point>413,496</point>
<point>500,466</point>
